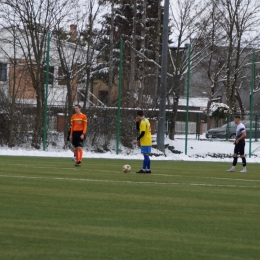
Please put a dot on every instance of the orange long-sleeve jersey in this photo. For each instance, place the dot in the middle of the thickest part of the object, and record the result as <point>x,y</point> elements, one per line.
<point>79,123</point>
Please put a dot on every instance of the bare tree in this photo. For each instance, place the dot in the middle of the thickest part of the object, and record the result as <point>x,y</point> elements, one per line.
<point>36,19</point>
<point>90,37</point>
<point>157,51</point>
<point>185,17</point>
<point>11,57</point>
<point>143,50</point>
<point>133,56</point>
<point>238,19</point>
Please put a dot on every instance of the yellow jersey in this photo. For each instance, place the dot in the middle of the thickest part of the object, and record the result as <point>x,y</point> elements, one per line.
<point>146,140</point>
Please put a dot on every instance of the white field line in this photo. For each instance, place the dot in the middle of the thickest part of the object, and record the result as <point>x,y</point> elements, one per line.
<point>42,167</point>
<point>132,182</point>
<point>154,174</point>
<point>212,178</point>
<point>167,175</point>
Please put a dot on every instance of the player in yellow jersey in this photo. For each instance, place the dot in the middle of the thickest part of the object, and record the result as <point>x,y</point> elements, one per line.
<point>145,138</point>
<point>78,130</point>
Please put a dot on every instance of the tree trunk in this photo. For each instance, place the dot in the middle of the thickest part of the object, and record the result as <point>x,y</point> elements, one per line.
<point>240,103</point>
<point>133,63</point>
<point>157,55</point>
<point>177,83</point>
<point>37,131</point>
<point>12,106</point>
<point>142,65</point>
<point>111,62</point>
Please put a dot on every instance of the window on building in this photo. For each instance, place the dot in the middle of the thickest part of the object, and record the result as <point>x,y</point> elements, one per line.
<point>3,71</point>
<point>61,77</point>
<point>51,75</point>
<point>103,96</point>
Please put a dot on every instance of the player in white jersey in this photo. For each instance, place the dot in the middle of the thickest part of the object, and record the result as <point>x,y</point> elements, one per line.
<point>239,145</point>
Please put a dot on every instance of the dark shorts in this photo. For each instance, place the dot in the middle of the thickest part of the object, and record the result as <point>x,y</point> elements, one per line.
<point>240,148</point>
<point>76,140</point>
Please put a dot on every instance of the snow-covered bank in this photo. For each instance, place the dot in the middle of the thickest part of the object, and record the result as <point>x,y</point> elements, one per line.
<point>198,150</point>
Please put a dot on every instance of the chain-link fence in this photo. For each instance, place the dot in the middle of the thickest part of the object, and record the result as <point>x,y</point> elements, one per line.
<point>102,127</point>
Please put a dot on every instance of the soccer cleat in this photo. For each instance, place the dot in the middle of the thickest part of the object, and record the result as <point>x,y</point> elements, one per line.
<point>77,164</point>
<point>244,170</point>
<point>231,170</point>
<point>148,171</point>
<point>141,171</point>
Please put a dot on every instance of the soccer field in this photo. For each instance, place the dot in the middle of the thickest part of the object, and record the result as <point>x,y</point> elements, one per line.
<point>50,209</point>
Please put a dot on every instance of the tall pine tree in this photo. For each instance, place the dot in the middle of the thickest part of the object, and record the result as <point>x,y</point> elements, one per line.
<point>145,50</point>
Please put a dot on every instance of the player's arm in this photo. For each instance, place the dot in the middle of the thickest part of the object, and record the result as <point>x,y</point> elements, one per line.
<point>141,135</point>
<point>71,127</point>
<point>142,128</point>
<point>85,127</point>
<point>243,136</point>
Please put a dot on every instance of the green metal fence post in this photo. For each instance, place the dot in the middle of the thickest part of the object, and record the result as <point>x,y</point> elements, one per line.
<point>46,91</point>
<point>119,96</point>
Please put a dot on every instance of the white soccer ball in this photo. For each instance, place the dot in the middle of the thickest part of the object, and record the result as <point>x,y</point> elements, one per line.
<point>126,168</point>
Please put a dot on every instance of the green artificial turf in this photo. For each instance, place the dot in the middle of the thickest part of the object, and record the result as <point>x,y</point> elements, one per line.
<point>50,209</point>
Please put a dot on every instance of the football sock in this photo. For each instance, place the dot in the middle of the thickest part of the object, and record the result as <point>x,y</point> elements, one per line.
<point>77,155</point>
<point>234,161</point>
<point>244,161</point>
<point>144,164</point>
<point>80,154</point>
<point>148,163</point>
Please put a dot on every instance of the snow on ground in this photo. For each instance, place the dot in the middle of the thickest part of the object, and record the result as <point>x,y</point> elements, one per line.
<point>197,150</point>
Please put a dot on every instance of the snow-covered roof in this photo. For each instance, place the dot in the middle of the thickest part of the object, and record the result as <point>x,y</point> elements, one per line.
<point>194,102</point>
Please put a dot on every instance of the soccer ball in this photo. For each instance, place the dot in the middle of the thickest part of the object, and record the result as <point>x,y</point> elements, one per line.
<point>126,168</point>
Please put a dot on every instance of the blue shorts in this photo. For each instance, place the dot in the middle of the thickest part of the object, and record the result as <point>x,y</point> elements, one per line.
<point>146,149</point>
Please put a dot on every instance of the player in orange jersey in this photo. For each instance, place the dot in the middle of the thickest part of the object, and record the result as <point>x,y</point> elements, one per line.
<point>78,130</point>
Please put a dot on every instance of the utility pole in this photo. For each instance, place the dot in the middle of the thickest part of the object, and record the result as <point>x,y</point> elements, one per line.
<point>162,105</point>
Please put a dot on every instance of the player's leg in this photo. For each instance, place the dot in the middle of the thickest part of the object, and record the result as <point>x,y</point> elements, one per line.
<point>80,148</point>
<point>80,155</point>
<point>148,161</point>
<point>242,155</point>
<point>233,168</point>
<point>243,163</point>
<point>77,144</point>
<point>236,151</point>
<point>143,151</point>
<point>148,164</point>
<point>77,156</point>
<point>74,154</point>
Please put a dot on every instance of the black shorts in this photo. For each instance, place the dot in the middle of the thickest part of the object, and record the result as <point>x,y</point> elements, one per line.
<point>240,147</point>
<point>76,140</point>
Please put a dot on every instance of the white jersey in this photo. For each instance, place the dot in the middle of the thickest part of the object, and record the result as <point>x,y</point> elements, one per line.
<point>240,129</point>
